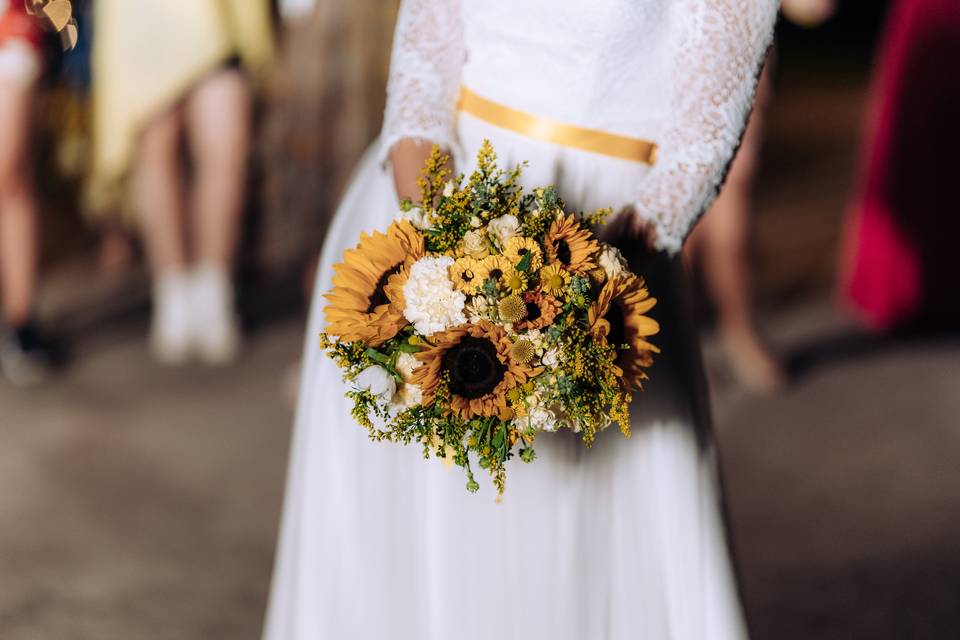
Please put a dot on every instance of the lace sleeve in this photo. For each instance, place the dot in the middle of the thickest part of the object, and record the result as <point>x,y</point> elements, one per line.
<point>428,53</point>
<point>720,54</point>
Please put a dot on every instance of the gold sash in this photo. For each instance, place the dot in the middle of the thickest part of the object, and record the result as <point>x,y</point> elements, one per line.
<point>567,135</point>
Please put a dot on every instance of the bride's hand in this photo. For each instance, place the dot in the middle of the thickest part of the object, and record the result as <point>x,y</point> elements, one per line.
<point>628,228</point>
<point>408,156</point>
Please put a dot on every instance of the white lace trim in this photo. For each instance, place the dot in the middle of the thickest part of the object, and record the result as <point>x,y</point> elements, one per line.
<point>716,67</point>
<point>428,53</point>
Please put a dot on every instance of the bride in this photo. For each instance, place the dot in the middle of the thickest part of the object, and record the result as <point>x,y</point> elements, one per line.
<point>635,104</point>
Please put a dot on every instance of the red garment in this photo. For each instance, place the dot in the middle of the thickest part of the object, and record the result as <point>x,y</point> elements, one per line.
<point>901,262</point>
<point>16,23</point>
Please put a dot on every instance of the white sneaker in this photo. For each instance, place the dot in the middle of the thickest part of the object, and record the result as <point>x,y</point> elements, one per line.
<point>170,326</point>
<point>214,326</point>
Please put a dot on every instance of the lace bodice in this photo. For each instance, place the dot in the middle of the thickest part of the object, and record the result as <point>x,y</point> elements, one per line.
<point>679,72</point>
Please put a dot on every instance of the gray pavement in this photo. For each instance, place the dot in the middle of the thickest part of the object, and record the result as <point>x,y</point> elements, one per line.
<point>140,502</point>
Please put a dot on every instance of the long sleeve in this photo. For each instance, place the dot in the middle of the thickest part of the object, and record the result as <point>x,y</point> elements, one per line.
<point>428,54</point>
<point>719,57</point>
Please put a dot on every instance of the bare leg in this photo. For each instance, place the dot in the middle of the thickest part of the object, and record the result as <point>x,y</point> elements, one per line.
<point>720,241</point>
<point>218,122</point>
<point>18,209</point>
<point>218,115</point>
<point>159,194</point>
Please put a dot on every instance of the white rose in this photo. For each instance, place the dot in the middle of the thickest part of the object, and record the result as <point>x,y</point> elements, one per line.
<point>378,382</point>
<point>406,363</point>
<point>415,216</point>
<point>504,228</point>
<point>612,262</point>
<point>475,245</point>
<point>448,188</point>
<point>432,303</point>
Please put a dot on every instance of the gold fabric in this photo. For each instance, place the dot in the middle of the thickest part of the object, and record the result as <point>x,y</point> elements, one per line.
<point>146,57</point>
<point>548,130</point>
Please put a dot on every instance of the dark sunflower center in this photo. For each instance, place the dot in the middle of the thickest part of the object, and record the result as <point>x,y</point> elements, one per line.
<point>474,367</point>
<point>496,274</point>
<point>379,296</point>
<point>564,255</point>
<point>533,311</point>
<point>618,327</point>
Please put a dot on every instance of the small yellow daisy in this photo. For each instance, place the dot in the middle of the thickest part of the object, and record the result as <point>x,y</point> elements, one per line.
<point>468,274</point>
<point>554,279</point>
<point>518,247</point>
<point>497,267</point>
<point>516,281</point>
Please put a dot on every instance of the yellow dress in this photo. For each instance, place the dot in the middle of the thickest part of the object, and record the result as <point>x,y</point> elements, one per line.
<point>147,55</point>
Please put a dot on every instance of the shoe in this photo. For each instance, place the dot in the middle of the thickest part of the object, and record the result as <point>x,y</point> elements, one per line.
<point>28,356</point>
<point>215,327</point>
<point>170,326</point>
<point>753,366</point>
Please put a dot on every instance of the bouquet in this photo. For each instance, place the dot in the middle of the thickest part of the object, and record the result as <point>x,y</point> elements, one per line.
<point>484,317</point>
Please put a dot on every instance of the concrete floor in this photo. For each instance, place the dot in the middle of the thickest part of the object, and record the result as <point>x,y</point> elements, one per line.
<point>142,502</point>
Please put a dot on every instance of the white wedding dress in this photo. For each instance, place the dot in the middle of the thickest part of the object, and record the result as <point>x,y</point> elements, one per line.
<point>622,541</point>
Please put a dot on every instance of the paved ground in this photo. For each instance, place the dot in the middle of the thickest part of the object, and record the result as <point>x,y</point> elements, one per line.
<point>141,502</point>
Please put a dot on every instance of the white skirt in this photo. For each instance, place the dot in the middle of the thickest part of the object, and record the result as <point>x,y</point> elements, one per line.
<point>625,540</point>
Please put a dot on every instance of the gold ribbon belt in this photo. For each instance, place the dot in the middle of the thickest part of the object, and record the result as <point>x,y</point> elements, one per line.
<point>547,130</point>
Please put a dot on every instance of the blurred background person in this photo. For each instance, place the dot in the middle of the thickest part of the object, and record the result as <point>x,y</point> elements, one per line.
<point>27,353</point>
<point>719,244</point>
<point>899,267</point>
<point>165,72</point>
<point>324,102</point>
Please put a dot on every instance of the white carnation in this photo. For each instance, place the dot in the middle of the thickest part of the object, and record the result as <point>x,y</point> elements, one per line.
<point>378,382</point>
<point>415,216</point>
<point>612,262</point>
<point>503,228</point>
<point>432,303</point>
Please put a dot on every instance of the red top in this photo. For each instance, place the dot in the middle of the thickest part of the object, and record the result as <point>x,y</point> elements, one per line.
<point>16,23</point>
<point>900,264</point>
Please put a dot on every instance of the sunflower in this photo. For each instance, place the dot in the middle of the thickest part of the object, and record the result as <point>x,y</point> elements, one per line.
<point>554,279</point>
<point>366,302</point>
<point>468,274</point>
<point>570,245</point>
<point>617,317</point>
<point>519,248</point>
<point>476,359</point>
<point>542,310</point>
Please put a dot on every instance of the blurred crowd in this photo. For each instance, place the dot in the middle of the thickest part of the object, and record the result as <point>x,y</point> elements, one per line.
<point>181,118</point>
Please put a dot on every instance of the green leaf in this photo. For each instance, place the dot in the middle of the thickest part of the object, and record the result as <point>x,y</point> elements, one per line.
<point>524,264</point>
<point>376,356</point>
<point>408,348</point>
